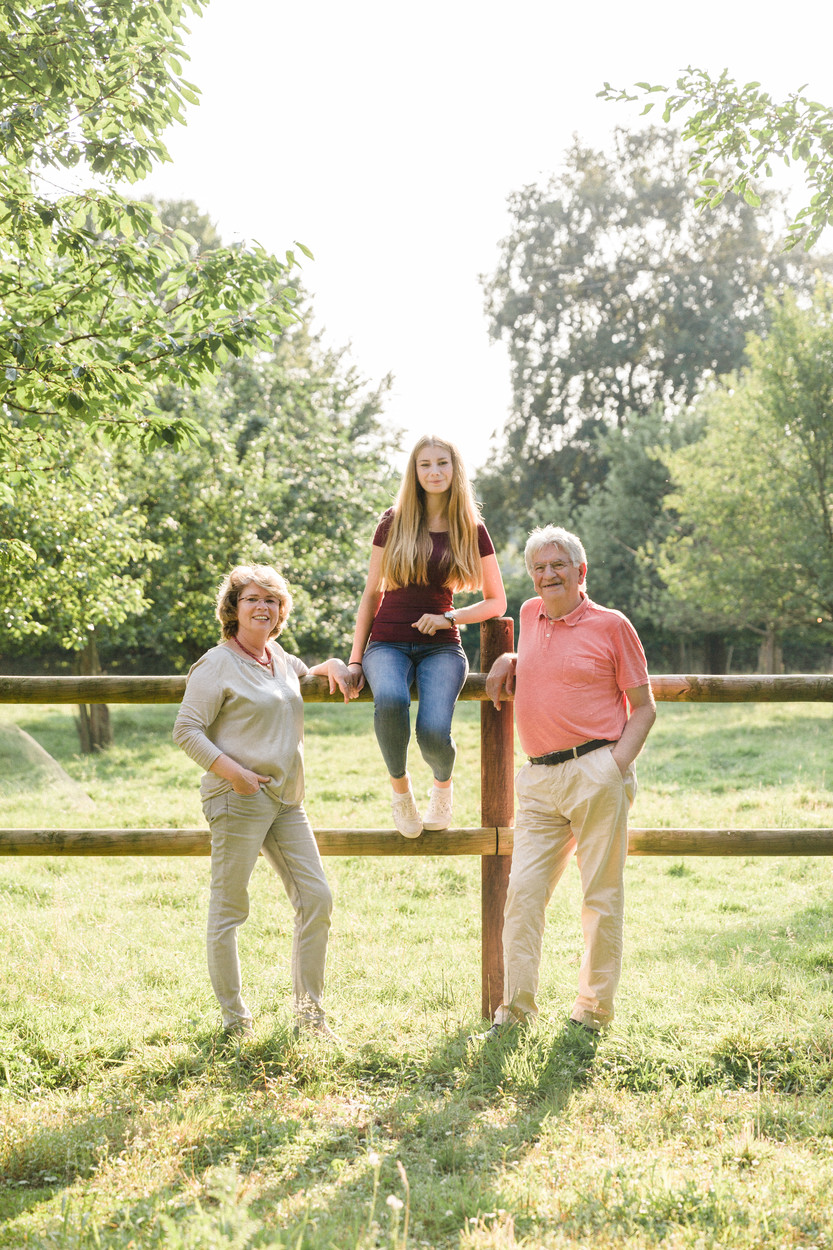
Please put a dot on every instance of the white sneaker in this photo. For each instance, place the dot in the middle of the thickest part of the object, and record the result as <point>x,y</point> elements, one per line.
<point>405,815</point>
<point>438,815</point>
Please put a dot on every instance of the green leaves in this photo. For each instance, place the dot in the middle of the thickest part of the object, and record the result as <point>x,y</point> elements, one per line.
<point>753,503</point>
<point>745,129</point>
<point>613,293</point>
<point>97,84</point>
<point>100,302</point>
<point>83,548</point>
<point>293,471</point>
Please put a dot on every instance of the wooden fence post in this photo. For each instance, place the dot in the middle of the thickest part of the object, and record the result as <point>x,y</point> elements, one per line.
<point>497,754</point>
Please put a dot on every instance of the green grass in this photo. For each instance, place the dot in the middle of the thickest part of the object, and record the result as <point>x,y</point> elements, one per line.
<point>704,1119</point>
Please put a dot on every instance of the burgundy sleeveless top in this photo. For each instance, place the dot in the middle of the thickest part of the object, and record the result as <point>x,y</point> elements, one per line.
<point>400,608</point>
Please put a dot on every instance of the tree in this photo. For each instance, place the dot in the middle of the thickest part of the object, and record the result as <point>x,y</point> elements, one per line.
<point>293,471</point>
<point>624,522</point>
<point>291,468</point>
<point>615,295</point>
<point>127,550</point>
<point>87,569</point>
<point>753,543</point>
<point>739,131</point>
<point>100,302</point>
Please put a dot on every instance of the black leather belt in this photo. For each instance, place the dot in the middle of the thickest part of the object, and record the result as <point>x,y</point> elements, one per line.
<point>560,757</point>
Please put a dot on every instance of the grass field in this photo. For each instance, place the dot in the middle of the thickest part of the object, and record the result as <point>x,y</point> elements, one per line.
<point>704,1119</point>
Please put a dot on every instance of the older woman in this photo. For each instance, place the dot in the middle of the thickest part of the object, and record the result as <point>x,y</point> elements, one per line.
<point>242,720</point>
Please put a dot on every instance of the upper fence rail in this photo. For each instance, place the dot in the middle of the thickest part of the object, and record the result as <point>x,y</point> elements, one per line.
<point>667,688</point>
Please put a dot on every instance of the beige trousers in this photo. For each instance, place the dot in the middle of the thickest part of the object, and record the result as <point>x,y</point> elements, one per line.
<point>580,806</point>
<point>241,827</point>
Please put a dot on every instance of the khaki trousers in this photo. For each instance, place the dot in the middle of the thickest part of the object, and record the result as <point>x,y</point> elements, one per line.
<point>579,806</point>
<point>241,827</point>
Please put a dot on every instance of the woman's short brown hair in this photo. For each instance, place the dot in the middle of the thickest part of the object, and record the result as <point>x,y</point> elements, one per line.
<point>238,579</point>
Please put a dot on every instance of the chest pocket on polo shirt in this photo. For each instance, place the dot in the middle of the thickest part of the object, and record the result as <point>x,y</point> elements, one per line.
<point>579,670</point>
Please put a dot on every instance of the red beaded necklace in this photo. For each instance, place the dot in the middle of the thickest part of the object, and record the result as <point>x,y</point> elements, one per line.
<point>256,658</point>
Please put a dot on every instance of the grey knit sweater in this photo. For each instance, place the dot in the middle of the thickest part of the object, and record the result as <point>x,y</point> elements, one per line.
<point>233,706</point>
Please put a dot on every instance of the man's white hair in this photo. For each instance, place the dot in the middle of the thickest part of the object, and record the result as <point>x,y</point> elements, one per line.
<point>553,536</point>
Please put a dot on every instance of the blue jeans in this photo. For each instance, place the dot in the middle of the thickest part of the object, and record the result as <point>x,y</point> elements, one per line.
<point>440,670</point>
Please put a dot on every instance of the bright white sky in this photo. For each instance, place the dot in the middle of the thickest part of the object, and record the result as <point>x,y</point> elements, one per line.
<point>387,137</point>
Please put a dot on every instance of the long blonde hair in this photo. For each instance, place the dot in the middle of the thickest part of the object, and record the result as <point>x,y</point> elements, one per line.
<point>408,547</point>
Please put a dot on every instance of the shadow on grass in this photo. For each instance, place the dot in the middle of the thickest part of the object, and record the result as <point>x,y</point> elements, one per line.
<point>432,1111</point>
<point>744,964</point>
<point>453,1116</point>
<point>314,1132</point>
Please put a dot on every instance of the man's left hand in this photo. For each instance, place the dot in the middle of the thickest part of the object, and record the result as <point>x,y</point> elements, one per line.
<point>643,714</point>
<point>623,767</point>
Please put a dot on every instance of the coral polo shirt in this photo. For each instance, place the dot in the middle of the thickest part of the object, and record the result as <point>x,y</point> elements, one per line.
<point>572,674</point>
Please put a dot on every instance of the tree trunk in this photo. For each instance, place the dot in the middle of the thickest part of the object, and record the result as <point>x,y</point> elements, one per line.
<point>94,729</point>
<point>682,661</point>
<point>770,655</point>
<point>714,653</point>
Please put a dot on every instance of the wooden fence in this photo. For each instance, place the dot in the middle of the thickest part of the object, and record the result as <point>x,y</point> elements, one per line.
<point>492,841</point>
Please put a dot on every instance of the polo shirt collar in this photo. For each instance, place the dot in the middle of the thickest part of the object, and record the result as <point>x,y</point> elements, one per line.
<point>572,618</point>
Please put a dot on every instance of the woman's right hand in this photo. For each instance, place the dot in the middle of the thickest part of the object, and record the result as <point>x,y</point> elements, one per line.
<point>241,779</point>
<point>248,782</point>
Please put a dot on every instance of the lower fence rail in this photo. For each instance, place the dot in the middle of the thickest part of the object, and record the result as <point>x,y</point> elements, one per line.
<point>486,842</point>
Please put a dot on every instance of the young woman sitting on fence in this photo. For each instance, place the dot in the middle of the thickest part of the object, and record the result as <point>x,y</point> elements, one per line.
<point>242,720</point>
<point>429,544</point>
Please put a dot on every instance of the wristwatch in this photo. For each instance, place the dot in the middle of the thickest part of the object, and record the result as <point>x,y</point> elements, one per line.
<point>451,615</point>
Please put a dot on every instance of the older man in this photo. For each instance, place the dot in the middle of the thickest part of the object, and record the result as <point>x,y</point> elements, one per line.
<point>578,669</point>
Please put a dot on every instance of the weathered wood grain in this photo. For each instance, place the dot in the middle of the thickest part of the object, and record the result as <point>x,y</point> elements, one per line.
<point>488,841</point>
<point>674,688</point>
<point>344,842</point>
<point>497,807</point>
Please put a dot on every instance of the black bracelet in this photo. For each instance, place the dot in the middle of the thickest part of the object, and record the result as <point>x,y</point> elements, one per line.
<point>351,662</point>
